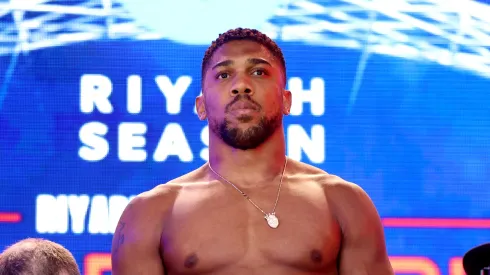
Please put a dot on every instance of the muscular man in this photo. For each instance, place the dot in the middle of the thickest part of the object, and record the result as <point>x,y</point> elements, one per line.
<point>250,210</point>
<point>37,257</point>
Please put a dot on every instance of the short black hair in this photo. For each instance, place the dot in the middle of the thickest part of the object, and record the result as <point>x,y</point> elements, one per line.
<point>243,34</point>
<point>37,256</point>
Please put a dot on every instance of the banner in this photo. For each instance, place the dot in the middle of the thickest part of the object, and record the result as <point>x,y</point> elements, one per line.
<point>86,127</point>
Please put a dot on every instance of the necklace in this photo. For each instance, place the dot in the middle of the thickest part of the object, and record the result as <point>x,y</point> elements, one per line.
<point>271,218</point>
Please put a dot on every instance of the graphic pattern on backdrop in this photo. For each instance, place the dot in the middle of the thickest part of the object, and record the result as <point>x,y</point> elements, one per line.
<point>87,126</point>
<point>444,32</point>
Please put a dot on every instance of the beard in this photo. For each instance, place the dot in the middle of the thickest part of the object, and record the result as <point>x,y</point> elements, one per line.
<point>251,137</point>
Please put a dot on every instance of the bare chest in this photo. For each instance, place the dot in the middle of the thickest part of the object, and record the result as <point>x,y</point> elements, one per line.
<point>220,229</point>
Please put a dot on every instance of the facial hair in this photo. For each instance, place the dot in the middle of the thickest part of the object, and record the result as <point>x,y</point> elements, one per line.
<point>253,136</point>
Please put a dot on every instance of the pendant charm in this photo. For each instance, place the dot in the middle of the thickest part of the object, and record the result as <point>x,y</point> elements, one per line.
<point>272,220</point>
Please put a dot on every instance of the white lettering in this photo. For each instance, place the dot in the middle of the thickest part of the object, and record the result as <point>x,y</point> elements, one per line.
<point>51,214</point>
<point>99,215</point>
<point>95,90</point>
<point>299,142</point>
<point>173,93</point>
<point>95,146</point>
<point>173,142</point>
<point>134,94</point>
<point>131,140</point>
<point>78,206</point>
<point>315,96</point>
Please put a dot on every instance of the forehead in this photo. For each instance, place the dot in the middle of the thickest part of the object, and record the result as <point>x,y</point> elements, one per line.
<point>242,49</point>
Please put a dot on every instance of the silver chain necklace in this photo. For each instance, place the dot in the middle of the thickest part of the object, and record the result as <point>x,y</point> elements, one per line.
<point>271,218</point>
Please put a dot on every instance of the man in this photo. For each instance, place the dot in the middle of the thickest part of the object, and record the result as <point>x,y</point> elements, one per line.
<point>37,257</point>
<point>250,210</point>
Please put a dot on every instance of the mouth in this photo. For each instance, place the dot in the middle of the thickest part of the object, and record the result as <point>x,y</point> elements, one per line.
<point>243,106</point>
<point>243,112</point>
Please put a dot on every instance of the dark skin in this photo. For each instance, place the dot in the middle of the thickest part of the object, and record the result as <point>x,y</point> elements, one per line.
<point>199,224</point>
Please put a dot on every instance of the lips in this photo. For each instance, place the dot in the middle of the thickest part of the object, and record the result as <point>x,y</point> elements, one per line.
<point>243,105</point>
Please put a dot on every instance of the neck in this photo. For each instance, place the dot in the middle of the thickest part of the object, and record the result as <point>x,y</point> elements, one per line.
<point>253,167</point>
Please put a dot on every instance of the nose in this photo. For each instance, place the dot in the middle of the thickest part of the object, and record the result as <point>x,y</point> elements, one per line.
<point>241,85</point>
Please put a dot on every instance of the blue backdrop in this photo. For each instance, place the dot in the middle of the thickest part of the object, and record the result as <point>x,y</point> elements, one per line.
<point>416,139</point>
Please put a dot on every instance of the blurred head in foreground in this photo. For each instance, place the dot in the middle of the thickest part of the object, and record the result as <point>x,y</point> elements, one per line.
<point>37,256</point>
<point>477,259</point>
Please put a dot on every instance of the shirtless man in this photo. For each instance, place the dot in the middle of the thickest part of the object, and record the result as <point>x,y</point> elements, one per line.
<point>250,210</point>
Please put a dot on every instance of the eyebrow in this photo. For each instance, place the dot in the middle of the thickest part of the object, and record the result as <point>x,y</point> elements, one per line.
<point>253,61</point>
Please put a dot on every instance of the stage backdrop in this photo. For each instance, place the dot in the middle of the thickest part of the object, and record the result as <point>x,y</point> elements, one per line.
<point>85,127</point>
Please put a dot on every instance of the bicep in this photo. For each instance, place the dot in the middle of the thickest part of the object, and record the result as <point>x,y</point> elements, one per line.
<point>366,256</point>
<point>135,249</point>
<point>363,250</point>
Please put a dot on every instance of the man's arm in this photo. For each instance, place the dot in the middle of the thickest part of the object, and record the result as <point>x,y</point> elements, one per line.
<point>136,241</point>
<point>363,250</point>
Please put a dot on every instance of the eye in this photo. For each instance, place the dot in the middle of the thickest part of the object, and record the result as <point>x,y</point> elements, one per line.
<point>222,76</point>
<point>259,72</point>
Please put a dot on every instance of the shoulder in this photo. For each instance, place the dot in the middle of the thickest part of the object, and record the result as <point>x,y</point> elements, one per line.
<point>154,205</point>
<point>155,200</point>
<point>143,218</point>
<point>161,197</point>
<point>346,198</point>
<point>332,184</point>
<point>146,214</point>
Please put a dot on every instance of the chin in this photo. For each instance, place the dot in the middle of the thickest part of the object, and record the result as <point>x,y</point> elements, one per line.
<point>246,138</point>
<point>246,119</point>
<point>246,132</point>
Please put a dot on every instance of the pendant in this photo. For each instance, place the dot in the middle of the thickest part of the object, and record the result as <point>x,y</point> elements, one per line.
<point>272,220</point>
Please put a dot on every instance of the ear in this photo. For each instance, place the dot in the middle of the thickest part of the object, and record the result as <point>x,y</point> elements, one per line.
<point>286,102</point>
<point>201,107</point>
